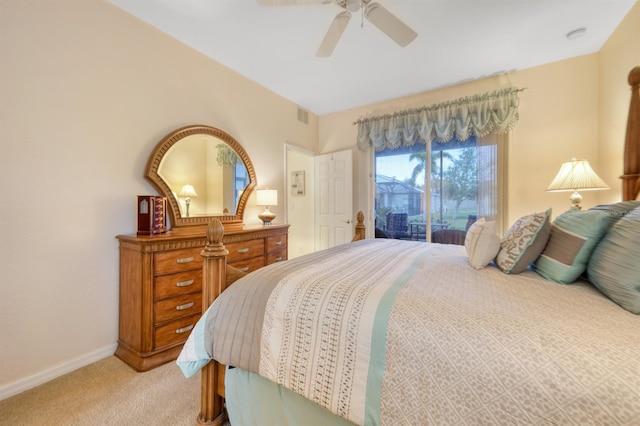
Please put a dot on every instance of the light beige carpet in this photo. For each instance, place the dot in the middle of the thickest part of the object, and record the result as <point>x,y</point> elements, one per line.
<point>108,392</point>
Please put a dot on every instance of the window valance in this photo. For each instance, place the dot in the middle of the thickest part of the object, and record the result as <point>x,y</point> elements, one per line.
<point>479,115</point>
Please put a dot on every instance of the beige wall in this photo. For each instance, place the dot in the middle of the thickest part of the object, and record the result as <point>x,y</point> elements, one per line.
<point>300,208</point>
<point>86,93</point>
<point>618,56</point>
<point>577,107</point>
<point>558,120</point>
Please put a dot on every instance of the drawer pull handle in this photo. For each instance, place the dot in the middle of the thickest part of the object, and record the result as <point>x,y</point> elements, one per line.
<point>185,306</point>
<point>245,269</point>
<point>278,259</point>
<point>184,329</point>
<point>185,260</point>
<point>185,283</point>
<point>278,243</point>
<point>243,250</point>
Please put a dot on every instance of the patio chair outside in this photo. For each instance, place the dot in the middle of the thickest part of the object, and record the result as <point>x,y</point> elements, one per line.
<point>449,236</point>
<point>397,225</point>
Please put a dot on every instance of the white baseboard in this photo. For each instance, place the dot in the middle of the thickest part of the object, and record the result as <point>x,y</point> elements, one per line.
<point>27,383</point>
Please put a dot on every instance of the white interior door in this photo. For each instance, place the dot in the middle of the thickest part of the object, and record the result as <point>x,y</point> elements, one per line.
<point>334,199</point>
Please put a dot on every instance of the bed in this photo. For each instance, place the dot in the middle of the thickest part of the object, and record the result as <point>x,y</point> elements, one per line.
<point>539,327</point>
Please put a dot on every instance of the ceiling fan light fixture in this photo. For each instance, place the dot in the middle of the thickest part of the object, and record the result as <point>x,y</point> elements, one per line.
<point>291,2</point>
<point>389,24</point>
<point>353,5</point>
<point>375,13</point>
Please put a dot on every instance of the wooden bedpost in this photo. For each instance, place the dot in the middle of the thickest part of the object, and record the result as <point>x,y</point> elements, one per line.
<point>360,228</point>
<point>214,256</point>
<point>214,282</point>
<point>631,176</point>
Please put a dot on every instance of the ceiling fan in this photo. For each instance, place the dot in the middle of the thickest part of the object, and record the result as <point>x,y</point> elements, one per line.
<point>375,13</point>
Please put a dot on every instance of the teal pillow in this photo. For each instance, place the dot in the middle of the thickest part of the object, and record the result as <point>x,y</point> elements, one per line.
<point>617,210</point>
<point>614,267</point>
<point>574,235</point>
<point>523,242</point>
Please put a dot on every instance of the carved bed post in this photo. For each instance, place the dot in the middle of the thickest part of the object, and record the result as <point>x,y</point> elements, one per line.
<point>214,282</point>
<point>360,228</point>
<point>631,176</point>
<point>214,255</point>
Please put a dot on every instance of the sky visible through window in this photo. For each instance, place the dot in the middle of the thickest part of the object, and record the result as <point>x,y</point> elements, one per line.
<point>401,168</point>
<point>396,166</point>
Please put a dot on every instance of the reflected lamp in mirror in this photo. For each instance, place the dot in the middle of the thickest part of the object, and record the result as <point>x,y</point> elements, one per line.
<point>267,198</point>
<point>190,155</point>
<point>576,175</point>
<point>187,192</point>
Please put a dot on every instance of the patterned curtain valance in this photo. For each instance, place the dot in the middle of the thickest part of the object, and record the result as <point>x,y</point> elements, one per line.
<point>226,155</point>
<point>479,115</point>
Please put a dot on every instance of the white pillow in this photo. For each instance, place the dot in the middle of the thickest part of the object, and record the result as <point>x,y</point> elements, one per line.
<point>482,243</point>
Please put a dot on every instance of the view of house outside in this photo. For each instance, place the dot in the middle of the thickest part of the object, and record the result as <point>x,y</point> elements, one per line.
<point>401,187</point>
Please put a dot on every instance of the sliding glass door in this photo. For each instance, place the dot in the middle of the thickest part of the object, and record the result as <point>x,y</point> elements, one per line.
<point>425,188</point>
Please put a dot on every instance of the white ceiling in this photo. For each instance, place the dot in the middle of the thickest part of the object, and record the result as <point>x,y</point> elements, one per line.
<point>458,40</point>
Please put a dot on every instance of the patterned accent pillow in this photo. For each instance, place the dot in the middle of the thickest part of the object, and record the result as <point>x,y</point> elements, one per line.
<point>614,267</point>
<point>523,242</point>
<point>574,235</point>
<point>482,243</point>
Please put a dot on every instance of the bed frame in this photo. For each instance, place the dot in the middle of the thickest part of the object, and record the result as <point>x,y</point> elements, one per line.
<point>215,277</point>
<point>631,176</point>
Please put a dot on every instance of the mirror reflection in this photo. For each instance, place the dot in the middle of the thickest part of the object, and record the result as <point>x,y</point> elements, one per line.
<point>205,175</point>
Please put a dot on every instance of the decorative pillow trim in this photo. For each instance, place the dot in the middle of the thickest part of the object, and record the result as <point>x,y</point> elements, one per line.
<point>574,235</point>
<point>563,246</point>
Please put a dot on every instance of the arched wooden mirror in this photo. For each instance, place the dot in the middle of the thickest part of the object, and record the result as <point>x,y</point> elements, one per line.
<point>204,173</point>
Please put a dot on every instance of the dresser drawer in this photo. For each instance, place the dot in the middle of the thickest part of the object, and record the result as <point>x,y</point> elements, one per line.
<point>245,250</point>
<point>161,285</point>
<point>249,265</point>
<point>176,284</point>
<point>174,332</point>
<point>276,243</point>
<point>276,256</point>
<point>176,307</point>
<point>171,261</point>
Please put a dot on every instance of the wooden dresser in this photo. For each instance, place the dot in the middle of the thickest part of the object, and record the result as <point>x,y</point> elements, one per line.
<point>161,285</point>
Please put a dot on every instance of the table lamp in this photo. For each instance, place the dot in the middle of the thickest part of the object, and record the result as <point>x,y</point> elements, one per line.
<point>576,175</point>
<point>267,197</point>
<point>187,191</point>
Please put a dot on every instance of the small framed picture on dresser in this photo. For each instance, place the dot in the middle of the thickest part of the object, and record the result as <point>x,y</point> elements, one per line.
<point>152,215</point>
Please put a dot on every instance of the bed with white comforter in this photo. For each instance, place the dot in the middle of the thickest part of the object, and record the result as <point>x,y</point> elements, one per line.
<point>394,332</point>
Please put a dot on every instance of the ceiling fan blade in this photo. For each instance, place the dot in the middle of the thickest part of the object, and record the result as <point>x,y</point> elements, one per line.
<point>333,35</point>
<point>389,24</point>
<point>291,2</point>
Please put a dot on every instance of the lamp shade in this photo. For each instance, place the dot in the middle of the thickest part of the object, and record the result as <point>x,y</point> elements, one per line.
<point>188,191</point>
<point>267,197</point>
<point>576,175</point>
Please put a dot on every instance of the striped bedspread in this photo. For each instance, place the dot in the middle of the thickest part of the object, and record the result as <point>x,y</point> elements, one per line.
<point>396,332</point>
